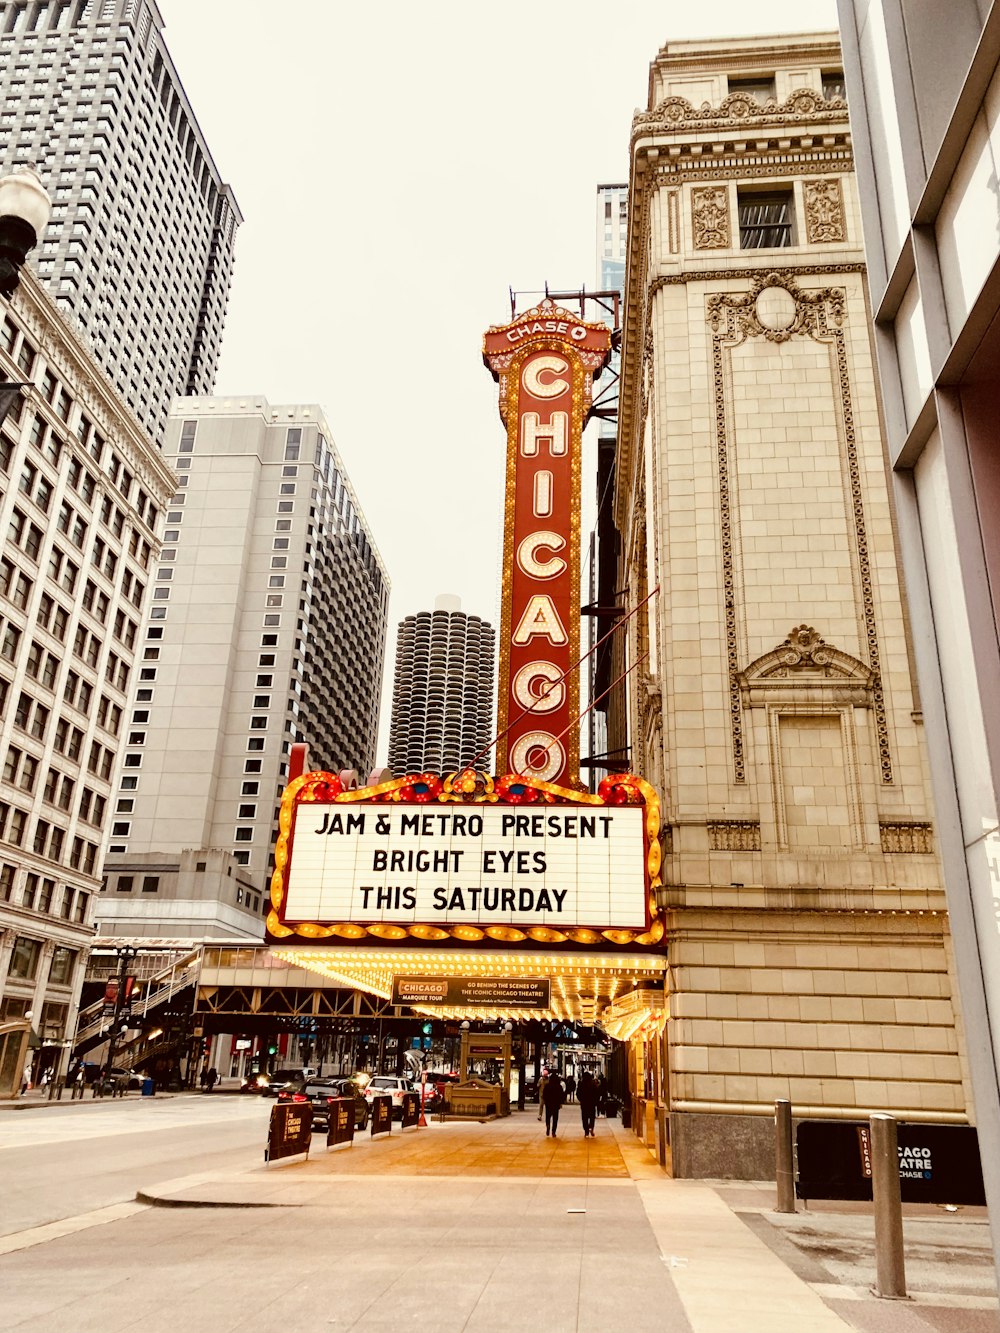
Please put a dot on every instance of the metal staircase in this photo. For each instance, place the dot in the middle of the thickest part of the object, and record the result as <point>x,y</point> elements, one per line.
<point>94,1025</point>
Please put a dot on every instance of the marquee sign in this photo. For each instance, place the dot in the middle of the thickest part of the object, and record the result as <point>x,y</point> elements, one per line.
<point>467,858</point>
<point>545,362</point>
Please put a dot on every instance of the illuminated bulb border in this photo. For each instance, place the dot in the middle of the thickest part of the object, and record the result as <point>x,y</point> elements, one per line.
<point>474,788</point>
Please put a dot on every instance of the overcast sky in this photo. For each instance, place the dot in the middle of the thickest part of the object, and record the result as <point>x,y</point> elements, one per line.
<point>400,166</point>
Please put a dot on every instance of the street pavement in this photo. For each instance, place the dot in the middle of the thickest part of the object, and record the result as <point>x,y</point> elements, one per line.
<point>464,1226</point>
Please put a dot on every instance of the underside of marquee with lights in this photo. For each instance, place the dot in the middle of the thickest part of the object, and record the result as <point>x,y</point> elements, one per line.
<point>491,880</point>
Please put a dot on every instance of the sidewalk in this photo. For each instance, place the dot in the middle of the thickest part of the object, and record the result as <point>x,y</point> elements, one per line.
<point>593,1226</point>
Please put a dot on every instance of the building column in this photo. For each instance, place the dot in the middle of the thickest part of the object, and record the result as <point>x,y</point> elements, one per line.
<point>7,938</point>
<point>41,984</point>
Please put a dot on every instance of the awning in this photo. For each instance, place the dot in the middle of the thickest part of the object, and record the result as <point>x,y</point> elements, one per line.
<point>583,985</point>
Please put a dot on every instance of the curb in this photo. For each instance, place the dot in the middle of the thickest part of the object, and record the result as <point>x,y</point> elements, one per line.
<point>161,1201</point>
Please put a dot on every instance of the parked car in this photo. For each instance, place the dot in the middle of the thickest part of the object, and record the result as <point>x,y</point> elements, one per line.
<point>135,1081</point>
<point>382,1085</point>
<point>285,1078</point>
<point>434,1098</point>
<point>320,1092</point>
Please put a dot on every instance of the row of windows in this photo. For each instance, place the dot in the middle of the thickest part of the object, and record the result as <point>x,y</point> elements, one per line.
<point>761,87</point>
<point>44,439</point>
<point>48,840</point>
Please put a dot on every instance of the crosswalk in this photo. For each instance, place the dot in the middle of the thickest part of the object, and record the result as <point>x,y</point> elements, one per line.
<point>79,1121</point>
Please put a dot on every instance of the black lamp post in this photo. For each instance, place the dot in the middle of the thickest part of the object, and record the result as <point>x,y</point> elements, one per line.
<point>25,208</point>
<point>125,956</point>
<point>24,213</point>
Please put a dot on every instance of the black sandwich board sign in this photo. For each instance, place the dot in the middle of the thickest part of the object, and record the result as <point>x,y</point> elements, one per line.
<point>411,1110</point>
<point>290,1130</point>
<point>340,1127</point>
<point>937,1163</point>
<point>381,1115</point>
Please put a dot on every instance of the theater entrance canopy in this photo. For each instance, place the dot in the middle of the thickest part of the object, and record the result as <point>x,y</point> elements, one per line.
<point>467,897</point>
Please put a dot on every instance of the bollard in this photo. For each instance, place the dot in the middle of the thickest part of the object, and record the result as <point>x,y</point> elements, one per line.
<point>784,1168</point>
<point>890,1271</point>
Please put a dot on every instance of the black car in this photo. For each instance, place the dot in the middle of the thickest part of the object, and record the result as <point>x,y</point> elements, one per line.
<point>320,1091</point>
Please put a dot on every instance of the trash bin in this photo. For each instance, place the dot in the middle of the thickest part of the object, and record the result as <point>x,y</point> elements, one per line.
<point>147,1087</point>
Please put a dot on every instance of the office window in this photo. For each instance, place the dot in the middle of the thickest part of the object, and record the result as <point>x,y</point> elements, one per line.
<point>765,220</point>
<point>24,959</point>
<point>833,85</point>
<point>760,87</point>
<point>150,883</point>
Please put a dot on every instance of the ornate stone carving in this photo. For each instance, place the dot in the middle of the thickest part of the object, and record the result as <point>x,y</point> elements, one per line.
<point>733,835</point>
<point>817,314</point>
<point>710,217</point>
<point>824,206</point>
<point>906,836</point>
<point>739,109</point>
<point>806,661</point>
<point>813,311</point>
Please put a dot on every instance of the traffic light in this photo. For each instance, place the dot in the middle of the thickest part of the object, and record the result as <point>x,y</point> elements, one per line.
<point>427,1029</point>
<point>206,1047</point>
<point>272,1049</point>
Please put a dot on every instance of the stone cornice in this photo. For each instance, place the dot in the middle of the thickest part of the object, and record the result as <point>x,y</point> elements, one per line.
<point>90,385</point>
<point>738,113</point>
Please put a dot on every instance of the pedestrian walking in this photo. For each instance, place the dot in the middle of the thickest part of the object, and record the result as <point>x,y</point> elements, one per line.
<point>587,1095</point>
<point>570,1087</point>
<point>602,1090</point>
<point>203,1078</point>
<point>211,1078</point>
<point>26,1079</point>
<point>553,1098</point>
<point>541,1091</point>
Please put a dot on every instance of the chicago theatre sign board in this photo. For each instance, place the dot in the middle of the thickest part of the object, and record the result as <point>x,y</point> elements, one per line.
<point>467,858</point>
<point>545,362</point>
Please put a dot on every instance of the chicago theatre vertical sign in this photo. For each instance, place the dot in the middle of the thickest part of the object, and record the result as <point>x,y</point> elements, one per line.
<point>545,362</point>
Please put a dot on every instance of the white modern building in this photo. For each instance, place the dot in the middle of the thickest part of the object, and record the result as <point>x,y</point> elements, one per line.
<point>267,627</point>
<point>442,693</point>
<point>82,496</point>
<point>924,90</point>
<point>139,250</point>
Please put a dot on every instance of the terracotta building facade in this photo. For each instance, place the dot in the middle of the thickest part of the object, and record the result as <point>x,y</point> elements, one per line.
<point>772,700</point>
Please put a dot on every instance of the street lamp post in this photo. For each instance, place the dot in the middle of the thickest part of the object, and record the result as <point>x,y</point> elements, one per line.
<point>25,208</point>
<point>125,956</point>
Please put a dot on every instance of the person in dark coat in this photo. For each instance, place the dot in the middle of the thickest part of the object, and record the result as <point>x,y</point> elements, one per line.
<point>553,1097</point>
<point>211,1078</point>
<point>587,1097</point>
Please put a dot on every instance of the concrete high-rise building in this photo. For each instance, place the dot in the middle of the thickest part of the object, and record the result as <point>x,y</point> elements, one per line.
<point>773,701</point>
<point>602,554</point>
<point>267,627</point>
<point>612,236</point>
<point>82,494</point>
<point>442,693</point>
<point>139,249</point>
<point>922,82</point>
